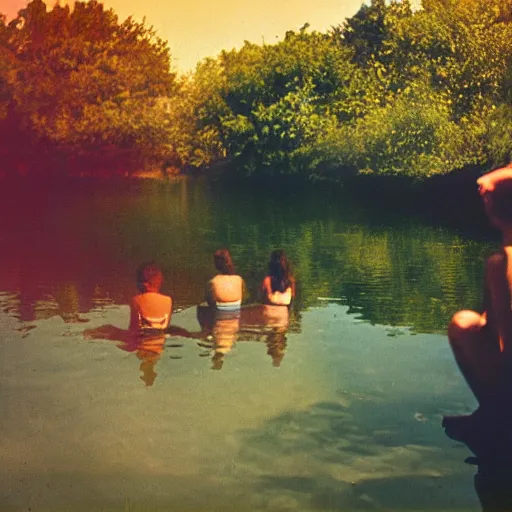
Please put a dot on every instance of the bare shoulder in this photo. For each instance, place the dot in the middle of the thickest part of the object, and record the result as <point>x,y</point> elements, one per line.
<point>167,298</point>
<point>266,282</point>
<point>240,281</point>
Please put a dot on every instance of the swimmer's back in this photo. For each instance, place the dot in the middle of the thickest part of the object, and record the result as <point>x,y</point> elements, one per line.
<point>150,310</point>
<point>276,297</point>
<point>224,288</point>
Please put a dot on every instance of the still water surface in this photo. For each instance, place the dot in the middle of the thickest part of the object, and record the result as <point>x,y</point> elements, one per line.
<point>339,410</point>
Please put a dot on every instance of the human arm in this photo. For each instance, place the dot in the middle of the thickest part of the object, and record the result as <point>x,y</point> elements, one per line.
<point>245,292</point>
<point>265,289</point>
<point>488,182</point>
<point>209,295</point>
<point>170,312</point>
<point>134,316</point>
<point>499,313</point>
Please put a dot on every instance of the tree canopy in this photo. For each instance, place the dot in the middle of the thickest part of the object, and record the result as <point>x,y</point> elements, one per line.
<point>82,79</point>
<point>392,91</point>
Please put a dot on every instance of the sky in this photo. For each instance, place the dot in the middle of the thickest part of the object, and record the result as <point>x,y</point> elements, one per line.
<point>196,29</point>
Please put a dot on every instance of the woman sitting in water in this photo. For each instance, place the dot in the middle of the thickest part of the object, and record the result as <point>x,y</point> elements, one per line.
<point>150,310</point>
<point>278,287</point>
<point>225,291</point>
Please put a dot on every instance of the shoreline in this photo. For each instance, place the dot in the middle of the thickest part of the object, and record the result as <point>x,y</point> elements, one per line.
<point>451,198</point>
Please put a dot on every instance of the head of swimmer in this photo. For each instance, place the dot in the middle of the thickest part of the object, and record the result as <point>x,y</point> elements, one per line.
<point>149,277</point>
<point>495,188</point>
<point>223,262</point>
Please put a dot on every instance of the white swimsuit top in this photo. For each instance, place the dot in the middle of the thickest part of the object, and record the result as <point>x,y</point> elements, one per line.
<point>146,323</point>
<point>281,298</point>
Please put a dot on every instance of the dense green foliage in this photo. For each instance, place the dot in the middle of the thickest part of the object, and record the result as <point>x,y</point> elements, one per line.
<point>391,91</point>
<point>80,79</point>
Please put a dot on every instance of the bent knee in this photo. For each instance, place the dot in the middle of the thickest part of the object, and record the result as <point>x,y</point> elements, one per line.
<point>464,323</point>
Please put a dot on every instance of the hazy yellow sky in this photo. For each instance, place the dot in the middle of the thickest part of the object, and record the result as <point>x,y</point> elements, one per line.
<point>201,28</point>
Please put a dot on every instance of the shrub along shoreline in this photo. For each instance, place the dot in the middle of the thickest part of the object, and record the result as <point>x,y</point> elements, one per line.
<point>393,95</point>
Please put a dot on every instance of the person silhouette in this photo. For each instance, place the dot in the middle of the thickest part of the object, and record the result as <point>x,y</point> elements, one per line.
<point>482,342</point>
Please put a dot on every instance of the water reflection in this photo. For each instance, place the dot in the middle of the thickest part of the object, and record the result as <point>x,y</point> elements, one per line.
<point>492,446</point>
<point>73,249</point>
<point>219,331</point>
<point>147,348</point>
<point>276,346</point>
<point>68,302</point>
<point>276,320</point>
<point>358,458</point>
<point>252,323</point>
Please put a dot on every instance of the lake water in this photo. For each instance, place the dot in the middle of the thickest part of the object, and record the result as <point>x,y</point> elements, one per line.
<point>339,410</point>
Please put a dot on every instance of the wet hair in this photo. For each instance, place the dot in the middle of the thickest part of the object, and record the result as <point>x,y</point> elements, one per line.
<point>223,262</point>
<point>149,276</point>
<point>279,271</point>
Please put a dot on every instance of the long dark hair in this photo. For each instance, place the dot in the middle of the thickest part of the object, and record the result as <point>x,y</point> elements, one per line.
<point>279,271</point>
<point>223,262</point>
